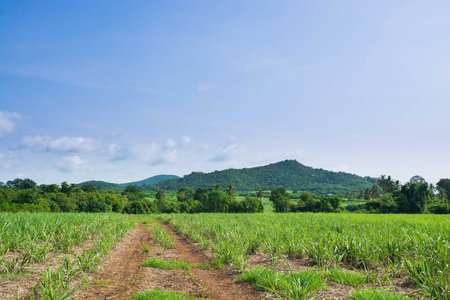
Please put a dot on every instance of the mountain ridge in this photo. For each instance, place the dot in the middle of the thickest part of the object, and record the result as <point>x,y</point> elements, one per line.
<point>288,173</point>
<point>103,185</point>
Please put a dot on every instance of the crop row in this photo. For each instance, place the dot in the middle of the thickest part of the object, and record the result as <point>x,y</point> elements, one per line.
<point>27,238</point>
<point>414,244</point>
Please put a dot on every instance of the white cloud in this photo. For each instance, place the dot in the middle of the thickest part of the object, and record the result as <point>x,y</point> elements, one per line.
<point>206,87</point>
<point>170,144</point>
<point>70,163</point>
<point>7,160</point>
<point>64,144</point>
<point>186,140</point>
<point>144,152</point>
<point>7,122</point>
<point>37,143</point>
<point>72,144</point>
<point>117,152</point>
<point>227,153</point>
<point>165,157</point>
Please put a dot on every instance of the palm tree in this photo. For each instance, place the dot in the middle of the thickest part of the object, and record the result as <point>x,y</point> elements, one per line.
<point>160,195</point>
<point>230,190</point>
<point>260,194</point>
<point>387,184</point>
<point>349,195</point>
<point>374,192</point>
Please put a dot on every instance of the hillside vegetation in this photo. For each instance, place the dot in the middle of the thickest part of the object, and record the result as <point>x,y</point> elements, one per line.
<point>103,185</point>
<point>151,180</point>
<point>289,173</point>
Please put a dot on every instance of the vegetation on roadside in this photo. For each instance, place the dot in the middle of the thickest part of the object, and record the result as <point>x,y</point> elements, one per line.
<point>292,285</point>
<point>158,294</point>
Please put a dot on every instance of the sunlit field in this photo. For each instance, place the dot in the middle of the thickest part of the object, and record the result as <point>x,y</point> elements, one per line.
<point>66,244</point>
<point>414,245</point>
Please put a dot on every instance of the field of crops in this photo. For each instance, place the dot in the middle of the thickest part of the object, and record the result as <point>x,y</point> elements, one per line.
<point>293,256</point>
<point>385,246</point>
<point>54,249</point>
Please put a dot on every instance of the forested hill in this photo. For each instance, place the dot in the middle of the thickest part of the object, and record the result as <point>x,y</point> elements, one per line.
<point>103,185</point>
<point>151,180</point>
<point>289,173</point>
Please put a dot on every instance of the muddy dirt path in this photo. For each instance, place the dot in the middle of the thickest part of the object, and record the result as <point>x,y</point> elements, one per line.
<point>120,275</point>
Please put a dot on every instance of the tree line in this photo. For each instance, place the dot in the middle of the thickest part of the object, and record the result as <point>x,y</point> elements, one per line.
<point>386,196</point>
<point>415,196</point>
<point>26,195</point>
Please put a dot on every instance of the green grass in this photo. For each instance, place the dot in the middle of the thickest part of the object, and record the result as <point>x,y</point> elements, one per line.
<point>170,264</point>
<point>158,294</point>
<point>163,237</point>
<point>373,294</point>
<point>145,247</point>
<point>345,277</point>
<point>292,285</point>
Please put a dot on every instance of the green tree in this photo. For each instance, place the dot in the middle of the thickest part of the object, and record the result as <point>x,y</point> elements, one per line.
<point>50,188</point>
<point>21,184</point>
<point>374,192</point>
<point>184,193</point>
<point>88,188</point>
<point>307,203</point>
<point>417,179</point>
<point>230,190</point>
<point>280,199</point>
<point>260,194</point>
<point>66,188</point>
<point>443,187</point>
<point>160,195</point>
<point>387,184</point>
<point>349,195</point>
<point>217,201</point>
<point>133,193</point>
<point>201,194</point>
<point>335,203</point>
<point>252,205</point>
<point>412,198</point>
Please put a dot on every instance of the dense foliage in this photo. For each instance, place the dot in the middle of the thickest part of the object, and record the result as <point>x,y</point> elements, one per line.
<point>25,195</point>
<point>288,173</point>
<point>387,196</point>
<point>103,185</point>
<point>150,180</point>
<point>416,196</point>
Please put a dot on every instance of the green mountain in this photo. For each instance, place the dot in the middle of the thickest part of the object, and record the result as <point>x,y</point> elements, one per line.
<point>151,180</point>
<point>289,173</point>
<point>103,185</point>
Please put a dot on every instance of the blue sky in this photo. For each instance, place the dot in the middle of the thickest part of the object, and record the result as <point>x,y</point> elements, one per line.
<point>124,90</point>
